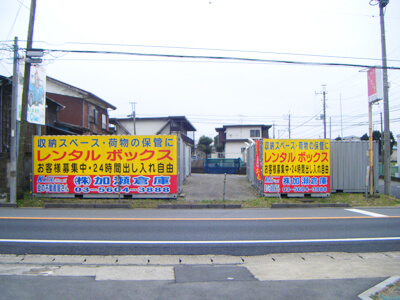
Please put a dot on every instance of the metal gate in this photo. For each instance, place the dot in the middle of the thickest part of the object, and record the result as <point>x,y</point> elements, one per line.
<point>222,165</point>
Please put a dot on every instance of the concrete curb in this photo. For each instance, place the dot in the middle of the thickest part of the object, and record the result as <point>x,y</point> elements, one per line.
<point>199,206</point>
<point>11,205</point>
<point>308,205</point>
<point>377,288</point>
<point>86,205</point>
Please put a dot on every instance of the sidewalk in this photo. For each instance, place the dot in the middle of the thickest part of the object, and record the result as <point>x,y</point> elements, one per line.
<point>273,276</point>
<point>271,267</point>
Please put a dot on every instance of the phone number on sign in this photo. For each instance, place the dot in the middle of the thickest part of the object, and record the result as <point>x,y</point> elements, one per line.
<point>304,189</point>
<point>125,190</point>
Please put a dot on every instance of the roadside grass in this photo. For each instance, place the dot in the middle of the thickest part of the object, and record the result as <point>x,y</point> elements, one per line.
<point>354,199</point>
<point>391,291</point>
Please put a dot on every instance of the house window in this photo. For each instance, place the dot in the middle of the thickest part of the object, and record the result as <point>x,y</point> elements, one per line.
<point>255,133</point>
<point>93,115</point>
<point>103,121</point>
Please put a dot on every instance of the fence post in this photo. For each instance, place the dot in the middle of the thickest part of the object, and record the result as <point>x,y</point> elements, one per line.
<point>223,196</point>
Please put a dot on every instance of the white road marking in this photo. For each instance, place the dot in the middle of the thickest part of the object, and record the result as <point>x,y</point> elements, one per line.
<point>368,213</point>
<point>200,242</point>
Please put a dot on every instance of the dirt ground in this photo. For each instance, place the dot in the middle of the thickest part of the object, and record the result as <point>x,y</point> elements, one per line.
<point>199,187</point>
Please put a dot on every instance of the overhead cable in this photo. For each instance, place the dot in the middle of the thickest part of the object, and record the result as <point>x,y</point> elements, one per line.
<point>220,58</point>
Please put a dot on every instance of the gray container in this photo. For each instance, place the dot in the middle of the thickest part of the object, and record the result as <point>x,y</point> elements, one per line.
<point>349,162</point>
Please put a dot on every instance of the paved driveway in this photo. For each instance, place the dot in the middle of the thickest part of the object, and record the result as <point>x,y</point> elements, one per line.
<point>394,186</point>
<point>199,187</point>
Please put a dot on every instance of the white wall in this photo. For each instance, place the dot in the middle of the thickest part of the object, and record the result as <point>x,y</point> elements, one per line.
<point>235,133</point>
<point>234,149</point>
<point>398,152</point>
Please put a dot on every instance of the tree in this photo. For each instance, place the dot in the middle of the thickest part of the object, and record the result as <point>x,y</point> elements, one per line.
<point>204,145</point>
<point>218,147</point>
<point>377,136</point>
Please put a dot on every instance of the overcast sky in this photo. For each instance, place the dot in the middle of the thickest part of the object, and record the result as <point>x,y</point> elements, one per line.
<point>209,92</point>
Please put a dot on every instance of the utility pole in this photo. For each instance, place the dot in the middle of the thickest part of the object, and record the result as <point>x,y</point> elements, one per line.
<point>341,118</point>
<point>14,112</point>
<point>23,122</point>
<point>273,127</point>
<point>371,151</point>
<point>386,133</point>
<point>324,92</point>
<point>289,126</point>
<point>134,116</point>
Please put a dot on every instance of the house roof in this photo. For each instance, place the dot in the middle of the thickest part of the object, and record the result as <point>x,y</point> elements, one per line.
<point>179,119</point>
<point>7,79</point>
<point>246,125</point>
<point>188,126</point>
<point>48,98</point>
<point>78,90</point>
<point>70,127</point>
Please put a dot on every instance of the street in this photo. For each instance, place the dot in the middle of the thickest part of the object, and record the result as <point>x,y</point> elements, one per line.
<point>196,254</point>
<point>197,232</point>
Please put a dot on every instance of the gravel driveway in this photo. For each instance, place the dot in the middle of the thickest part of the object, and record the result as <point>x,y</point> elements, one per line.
<point>199,187</point>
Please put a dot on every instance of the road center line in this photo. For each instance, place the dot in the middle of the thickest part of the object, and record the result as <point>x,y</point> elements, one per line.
<point>373,239</point>
<point>364,212</point>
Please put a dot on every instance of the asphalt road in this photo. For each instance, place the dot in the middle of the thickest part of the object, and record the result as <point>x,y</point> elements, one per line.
<point>240,232</point>
<point>29,287</point>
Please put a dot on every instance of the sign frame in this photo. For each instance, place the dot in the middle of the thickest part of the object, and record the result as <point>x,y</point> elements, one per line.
<point>105,166</point>
<point>296,167</point>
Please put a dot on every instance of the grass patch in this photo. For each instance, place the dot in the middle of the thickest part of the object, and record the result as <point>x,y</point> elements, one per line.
<point>354,199</point>
<point>359,199</point>
<point>30,201</point>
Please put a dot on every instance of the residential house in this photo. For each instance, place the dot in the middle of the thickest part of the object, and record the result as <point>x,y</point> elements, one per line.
<point>155,126</point>
<point>69,111</point>
<point>5,113</point>
<point>5,132</point>
<point>234,137</point>
<point>83,112</point>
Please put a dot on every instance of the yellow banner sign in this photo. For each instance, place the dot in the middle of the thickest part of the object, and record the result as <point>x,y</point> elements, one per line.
<point>105,155</point>
<point>296,157</point>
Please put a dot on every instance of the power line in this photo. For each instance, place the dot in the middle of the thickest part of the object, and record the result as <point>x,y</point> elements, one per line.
<point>207,49</point>
<point>221,58</point>
<point>216,49</point>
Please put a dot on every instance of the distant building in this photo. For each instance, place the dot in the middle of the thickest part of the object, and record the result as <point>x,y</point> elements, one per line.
<point>155,126</point>
<point>394,156</point>
<point>351,138</point>
<point>234,137</point>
